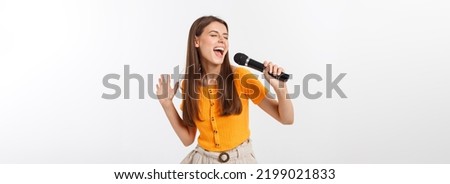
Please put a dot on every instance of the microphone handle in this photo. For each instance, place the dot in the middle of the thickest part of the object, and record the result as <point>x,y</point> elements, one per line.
<point>260,67</point>
<point>255,65</point>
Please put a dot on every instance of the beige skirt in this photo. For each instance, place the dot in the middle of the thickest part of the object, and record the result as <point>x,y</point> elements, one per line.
<point>242,154</point>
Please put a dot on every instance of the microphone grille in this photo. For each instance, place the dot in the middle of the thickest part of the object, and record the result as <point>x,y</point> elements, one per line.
<point>240,58</point>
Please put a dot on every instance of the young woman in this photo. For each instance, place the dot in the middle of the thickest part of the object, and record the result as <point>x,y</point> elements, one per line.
<point>215,98</point>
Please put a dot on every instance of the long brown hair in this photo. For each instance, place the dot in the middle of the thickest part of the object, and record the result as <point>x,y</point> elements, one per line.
<point>229,98</point>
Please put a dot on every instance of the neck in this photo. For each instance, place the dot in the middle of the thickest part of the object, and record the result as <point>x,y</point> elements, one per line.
<point>211,71</point>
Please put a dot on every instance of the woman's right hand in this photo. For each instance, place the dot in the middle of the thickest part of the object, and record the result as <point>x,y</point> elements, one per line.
<point>164,91</point>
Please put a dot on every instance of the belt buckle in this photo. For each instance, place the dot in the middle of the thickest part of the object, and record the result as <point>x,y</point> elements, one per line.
<point>221,159</point>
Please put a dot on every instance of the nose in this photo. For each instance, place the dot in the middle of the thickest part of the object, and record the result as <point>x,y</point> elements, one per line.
<point>221,38</point>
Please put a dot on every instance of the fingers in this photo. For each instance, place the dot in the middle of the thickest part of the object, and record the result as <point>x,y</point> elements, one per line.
<point>273,68</point>
<point>279,70</point>
<point>175,88</point>
<point>161,85</point>
<point>164,82</point>
<point>168,80</point>
<point>164,91</point>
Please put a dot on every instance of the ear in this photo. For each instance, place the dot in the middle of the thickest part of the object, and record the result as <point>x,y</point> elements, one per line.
<point>196,42</point>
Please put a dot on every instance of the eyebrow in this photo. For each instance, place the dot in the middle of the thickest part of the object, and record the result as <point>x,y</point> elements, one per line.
<point>217,32</point>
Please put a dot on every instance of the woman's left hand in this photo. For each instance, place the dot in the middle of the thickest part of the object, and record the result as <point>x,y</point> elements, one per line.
<point>271,68</point>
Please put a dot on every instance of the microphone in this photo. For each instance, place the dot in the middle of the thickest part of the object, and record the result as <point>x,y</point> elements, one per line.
<point>244,60</point>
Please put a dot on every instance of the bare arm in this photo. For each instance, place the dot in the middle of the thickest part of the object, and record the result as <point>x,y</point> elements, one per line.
<point>281,109</point>
<point>165,95</point>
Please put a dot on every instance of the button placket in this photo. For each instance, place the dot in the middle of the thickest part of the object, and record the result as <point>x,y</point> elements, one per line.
<point>212,118</point>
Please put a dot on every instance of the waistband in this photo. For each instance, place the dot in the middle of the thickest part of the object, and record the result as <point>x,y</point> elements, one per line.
<point>243,149</point>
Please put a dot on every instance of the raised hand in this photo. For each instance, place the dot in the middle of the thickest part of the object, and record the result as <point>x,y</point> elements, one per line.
<point>164,91</point>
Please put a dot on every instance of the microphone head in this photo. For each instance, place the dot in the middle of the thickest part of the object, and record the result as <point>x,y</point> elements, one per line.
<point>240,58</point>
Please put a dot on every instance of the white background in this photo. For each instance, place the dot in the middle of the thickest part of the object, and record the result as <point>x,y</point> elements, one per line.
<point>54,55</point>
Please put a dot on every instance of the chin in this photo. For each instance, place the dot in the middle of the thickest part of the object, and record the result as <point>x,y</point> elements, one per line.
<point>218,62</point>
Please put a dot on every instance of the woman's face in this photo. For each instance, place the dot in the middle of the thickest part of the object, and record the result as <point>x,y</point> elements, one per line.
<point>213,43</point>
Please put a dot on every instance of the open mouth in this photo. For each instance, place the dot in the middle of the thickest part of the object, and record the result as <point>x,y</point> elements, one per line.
<point>219,51</point>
